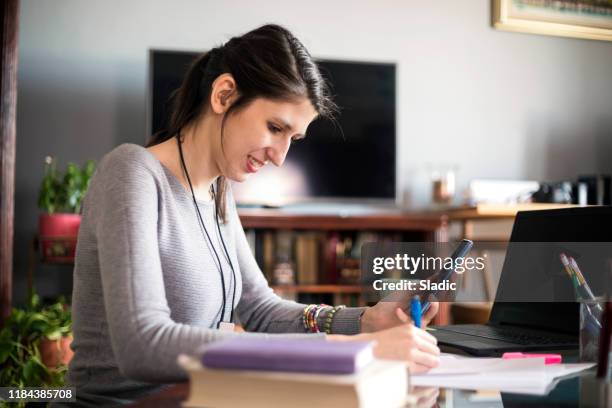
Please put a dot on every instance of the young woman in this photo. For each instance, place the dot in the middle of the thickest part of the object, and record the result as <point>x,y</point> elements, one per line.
<point>163,266</point>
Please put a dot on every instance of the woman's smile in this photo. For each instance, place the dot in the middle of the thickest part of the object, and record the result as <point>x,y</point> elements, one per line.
<point>253,164</point>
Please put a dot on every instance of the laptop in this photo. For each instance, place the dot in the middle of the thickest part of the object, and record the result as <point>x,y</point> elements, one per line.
<point>532,326</point>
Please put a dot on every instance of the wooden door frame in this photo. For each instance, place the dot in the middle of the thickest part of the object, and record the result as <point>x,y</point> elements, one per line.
<point>9,21</point>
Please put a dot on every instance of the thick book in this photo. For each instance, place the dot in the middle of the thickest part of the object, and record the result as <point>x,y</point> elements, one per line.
<point>383,383</point>
<point>292,355</point>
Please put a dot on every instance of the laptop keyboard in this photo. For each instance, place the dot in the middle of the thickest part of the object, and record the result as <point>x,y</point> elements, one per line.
<point>510,335</point>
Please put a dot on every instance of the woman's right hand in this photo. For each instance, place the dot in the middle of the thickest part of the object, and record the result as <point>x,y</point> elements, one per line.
<point>407,343</point>
<point>404,342</point>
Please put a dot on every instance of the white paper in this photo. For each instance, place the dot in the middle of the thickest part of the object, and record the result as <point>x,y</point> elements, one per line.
<point>526,376</point>
<point>451,364</point>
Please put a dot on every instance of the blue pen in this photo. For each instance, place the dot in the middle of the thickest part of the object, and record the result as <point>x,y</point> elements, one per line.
<point>415,310</point>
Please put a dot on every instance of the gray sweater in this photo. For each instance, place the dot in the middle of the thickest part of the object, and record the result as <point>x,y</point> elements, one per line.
<point>146,286</point>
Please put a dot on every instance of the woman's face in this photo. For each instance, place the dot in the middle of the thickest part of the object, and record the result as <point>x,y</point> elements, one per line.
<point>260,133</point>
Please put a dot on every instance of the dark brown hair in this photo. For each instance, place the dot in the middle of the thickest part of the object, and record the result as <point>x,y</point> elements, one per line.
<point>268,62</point>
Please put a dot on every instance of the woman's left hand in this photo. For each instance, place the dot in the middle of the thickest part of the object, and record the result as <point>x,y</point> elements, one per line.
<point>384,315</point>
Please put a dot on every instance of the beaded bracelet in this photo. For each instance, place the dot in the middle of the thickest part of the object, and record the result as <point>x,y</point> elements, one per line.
<point>315,318</point>
<point>310,316</point>
<point>311,320</point>
<point>330,318</point>
<point>305,316</point>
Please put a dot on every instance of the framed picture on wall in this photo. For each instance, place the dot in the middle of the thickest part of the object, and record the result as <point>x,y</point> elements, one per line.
<point>590,19</point>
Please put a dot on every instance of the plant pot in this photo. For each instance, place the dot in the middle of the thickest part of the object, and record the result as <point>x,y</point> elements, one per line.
<point>58,236</point>
<point>56,352</point>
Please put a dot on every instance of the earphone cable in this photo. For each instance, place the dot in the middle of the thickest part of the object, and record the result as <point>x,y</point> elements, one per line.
<point>228,257</point>
<point>178,138</point>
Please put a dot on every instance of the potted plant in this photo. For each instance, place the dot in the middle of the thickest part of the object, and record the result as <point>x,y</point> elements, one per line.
<point>56,334</point>
<point>24,359</point>
<point>60,197</point>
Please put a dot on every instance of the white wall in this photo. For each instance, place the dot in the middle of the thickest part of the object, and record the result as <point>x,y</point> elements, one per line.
<point>498,104</point>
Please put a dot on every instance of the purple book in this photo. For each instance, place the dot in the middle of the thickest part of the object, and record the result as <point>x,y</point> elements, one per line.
<point>295,355</point>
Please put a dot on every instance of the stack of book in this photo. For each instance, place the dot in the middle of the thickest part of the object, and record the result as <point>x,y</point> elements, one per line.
<point>245,372</point>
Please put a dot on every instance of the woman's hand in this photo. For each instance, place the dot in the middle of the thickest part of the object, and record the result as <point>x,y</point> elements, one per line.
<point>426,396</point>
<point>383,315</point>
<point>407,343</point>
<point>403,342</point>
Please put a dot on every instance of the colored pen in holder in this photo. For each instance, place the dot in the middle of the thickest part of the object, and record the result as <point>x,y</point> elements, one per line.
<point>592,309</point>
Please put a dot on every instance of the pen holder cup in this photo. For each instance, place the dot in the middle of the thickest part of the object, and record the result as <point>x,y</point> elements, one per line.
<point>591,312</point>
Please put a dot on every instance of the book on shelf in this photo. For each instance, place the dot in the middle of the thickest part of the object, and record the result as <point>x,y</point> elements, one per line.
<point>266,253</point>
<point>330,260</point>
<point>308,258</point>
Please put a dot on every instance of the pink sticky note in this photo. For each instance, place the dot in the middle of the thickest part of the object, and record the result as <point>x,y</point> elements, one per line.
<point>548,358</point>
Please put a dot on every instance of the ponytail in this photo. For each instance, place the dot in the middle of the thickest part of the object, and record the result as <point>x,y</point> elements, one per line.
<point>188,101</point>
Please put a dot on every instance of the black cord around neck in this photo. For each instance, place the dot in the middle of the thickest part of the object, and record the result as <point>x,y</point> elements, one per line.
<point>227,255</point>
<point>201,220</point>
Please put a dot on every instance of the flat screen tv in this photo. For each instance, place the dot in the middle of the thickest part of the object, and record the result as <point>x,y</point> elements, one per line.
<point>353,160</point>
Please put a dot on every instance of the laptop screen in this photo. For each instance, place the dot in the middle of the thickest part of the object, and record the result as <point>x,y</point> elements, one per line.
<point>586,224</point>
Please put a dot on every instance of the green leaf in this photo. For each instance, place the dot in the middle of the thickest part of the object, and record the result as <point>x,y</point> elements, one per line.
<point>53,334</point>
<point>36,316</point>
<point>6,348</point>
<point>34,301</point>
<point>6,333</point>
<point>30,370</point>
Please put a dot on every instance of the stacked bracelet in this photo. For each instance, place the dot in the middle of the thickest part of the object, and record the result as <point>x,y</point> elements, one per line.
<point>310,317</point>
<point>330,318</point>
<point>305,316</point>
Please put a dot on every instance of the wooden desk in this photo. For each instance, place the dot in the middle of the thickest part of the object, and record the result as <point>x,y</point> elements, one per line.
<point>492,222</point>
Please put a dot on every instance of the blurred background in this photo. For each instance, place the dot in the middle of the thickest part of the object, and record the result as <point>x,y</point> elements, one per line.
<point>485,103</point>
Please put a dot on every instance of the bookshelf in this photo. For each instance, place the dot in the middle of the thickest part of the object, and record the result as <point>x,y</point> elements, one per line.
<point>318,249</point>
